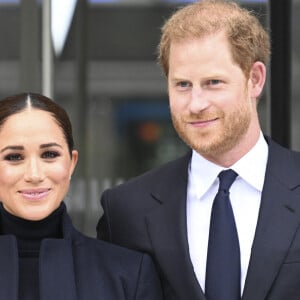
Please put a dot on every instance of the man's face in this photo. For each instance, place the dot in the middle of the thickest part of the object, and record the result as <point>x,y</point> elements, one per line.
<point>210,101</point>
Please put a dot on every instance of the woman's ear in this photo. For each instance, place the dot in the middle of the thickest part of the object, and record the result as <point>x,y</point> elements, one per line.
<point>74,160</point>
<point>257,79</point>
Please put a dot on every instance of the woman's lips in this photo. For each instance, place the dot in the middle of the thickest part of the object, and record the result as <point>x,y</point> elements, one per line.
<point>34,194</point>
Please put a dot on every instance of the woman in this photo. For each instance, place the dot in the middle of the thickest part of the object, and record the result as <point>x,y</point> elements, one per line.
<point>42,256</point>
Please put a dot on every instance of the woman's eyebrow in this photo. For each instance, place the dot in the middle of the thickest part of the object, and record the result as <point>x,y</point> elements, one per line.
<point>12,147</point>
<point>50,145</point>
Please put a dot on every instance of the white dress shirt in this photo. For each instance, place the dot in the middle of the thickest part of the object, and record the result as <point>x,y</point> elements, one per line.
<point>245,196</point>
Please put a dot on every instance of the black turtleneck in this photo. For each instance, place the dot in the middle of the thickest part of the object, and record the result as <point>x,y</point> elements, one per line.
<point>29,235</point>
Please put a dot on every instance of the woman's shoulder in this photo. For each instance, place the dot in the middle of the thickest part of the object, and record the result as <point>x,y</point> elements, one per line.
<point>108,250</point>
<point>118,261</point>
<point>120,270</point>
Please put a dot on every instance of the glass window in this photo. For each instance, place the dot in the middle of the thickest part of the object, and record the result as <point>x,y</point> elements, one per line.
<point>107,78</point>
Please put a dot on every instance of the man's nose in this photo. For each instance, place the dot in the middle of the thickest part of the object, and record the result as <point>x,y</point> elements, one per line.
<point>199,100</point>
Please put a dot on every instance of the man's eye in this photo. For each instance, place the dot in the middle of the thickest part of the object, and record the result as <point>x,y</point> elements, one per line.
<point>183,84</point>
<point>50,154</point>
<point>214,81</point>
<point>13,157</point>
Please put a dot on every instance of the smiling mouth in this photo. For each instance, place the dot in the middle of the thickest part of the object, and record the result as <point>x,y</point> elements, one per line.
<point>203,122</point>
<point>35,194</point>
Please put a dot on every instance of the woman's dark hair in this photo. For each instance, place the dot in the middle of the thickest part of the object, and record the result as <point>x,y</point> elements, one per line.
<point>15,104</point>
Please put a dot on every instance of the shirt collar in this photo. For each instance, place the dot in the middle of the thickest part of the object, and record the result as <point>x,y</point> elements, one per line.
<point>251,168</point>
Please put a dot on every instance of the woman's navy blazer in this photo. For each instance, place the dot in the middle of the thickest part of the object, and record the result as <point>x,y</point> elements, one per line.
<point>77,267</point>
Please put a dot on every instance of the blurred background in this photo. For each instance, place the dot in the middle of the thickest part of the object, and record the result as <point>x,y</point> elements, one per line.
<point>97,59</point>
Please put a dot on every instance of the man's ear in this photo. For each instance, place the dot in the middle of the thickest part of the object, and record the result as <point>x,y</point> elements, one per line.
<point>257,79</point>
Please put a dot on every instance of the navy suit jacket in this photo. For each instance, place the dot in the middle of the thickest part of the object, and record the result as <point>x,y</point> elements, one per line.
<point>81,268</point>
<point>148,213</point>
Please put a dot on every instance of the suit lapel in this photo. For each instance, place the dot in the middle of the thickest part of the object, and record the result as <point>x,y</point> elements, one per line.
<point>278,221</point>
<point>168,232</point>
<point>57,270</point>
<point>9,272</point>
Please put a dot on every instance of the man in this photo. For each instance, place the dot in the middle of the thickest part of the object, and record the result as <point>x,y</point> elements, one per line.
<point>214,55</point>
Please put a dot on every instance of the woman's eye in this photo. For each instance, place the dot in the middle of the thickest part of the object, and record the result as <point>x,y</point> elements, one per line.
<point>13,157</point>
<point>50,154</point>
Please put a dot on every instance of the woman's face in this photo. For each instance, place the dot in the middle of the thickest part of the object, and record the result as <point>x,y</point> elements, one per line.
<point>35,164</point>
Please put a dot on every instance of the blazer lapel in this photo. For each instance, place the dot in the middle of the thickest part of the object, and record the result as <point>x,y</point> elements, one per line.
<point>9,264</point>
<point>278,221</point>
<point>57,270</point>
<point>168,232</point>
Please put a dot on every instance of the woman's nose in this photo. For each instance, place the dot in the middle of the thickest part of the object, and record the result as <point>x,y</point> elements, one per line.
<point>34,171</point>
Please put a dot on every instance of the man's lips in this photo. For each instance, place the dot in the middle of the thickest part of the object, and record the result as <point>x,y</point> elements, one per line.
<point>202,122</point>
<point>34,194</point>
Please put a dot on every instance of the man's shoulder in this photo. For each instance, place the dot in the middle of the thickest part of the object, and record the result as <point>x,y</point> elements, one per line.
<point>281,152</point>
<point>283,163</point>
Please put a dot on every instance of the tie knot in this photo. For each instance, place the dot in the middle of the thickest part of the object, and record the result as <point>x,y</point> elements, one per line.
<point>226,178</point>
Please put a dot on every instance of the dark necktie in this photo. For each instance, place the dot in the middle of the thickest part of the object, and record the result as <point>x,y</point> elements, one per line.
<point>223,253</point>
